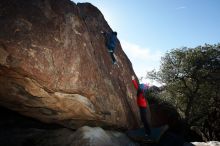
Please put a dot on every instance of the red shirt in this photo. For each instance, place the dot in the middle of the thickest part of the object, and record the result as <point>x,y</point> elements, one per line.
<point>141,101</point>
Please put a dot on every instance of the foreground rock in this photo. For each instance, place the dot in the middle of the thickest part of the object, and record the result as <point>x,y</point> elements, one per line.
<point>210,143</point>
<point>85,136</point>
<point>54,65</point>
<point>98,137</point>
<point>18,130</point>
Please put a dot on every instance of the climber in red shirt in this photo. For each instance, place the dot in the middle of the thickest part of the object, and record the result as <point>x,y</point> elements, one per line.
<point>143,105</point>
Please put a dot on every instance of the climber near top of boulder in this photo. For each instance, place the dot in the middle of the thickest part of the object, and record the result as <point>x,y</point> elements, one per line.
<point>111,43</point>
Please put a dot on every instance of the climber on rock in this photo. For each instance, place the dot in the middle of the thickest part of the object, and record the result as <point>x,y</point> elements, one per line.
<point>146,134</point>
<point>143,106</point>
<point>111,42</point>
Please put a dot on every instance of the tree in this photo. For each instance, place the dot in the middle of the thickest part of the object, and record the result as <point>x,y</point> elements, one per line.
<point>192,82</point>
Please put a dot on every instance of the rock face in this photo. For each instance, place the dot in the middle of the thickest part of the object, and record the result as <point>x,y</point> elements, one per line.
<point>54,65</point>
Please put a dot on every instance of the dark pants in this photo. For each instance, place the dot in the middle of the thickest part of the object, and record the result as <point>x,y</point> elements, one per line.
<point>113,57</point>
<point>111,51</point>
<point>143,114</point>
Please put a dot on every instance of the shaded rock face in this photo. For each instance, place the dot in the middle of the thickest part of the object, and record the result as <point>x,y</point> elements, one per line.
<point>54,65</point>
<point>162,114</point>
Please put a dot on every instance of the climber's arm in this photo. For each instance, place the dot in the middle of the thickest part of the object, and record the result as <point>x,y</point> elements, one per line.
<point>134,82</point>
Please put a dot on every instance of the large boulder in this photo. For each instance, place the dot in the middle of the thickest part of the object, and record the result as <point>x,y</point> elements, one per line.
<point>54,65</point>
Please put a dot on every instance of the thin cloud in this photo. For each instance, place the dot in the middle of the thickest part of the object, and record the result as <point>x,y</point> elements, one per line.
<point>137,52</point>
<point>180,8</point>
<point>143,59</point>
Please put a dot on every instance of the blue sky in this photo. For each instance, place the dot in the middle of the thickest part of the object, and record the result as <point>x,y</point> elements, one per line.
<point>147,29</point>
